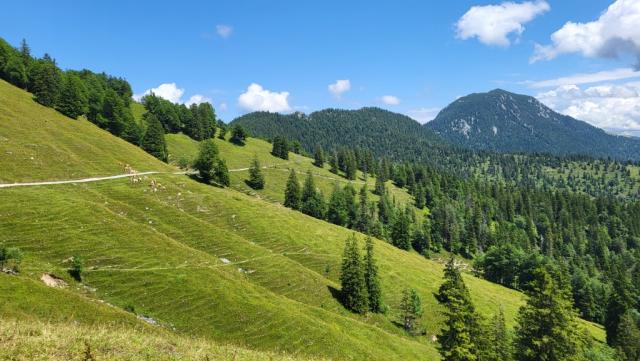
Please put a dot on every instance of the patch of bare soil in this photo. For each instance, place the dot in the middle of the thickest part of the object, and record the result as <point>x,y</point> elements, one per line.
<point>53,281</point>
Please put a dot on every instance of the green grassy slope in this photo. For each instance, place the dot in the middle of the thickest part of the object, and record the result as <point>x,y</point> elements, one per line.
<point>239,158</point>
<point>213,263</point>
<point>40,323</point>
<point>38,143</point>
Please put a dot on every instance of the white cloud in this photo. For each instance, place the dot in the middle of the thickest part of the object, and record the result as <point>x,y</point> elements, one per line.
<point>168,91</point>
<point>224,31</point>
<point>339,87</point>
<point>172,93</point>
<point>256,98</point>
<point>197,99</point>
<point>614,34</point>
<point>390,100</point>
<point>492,24</point>
<point>585,78</point>
<point>423,115</point>
<point>605,106</point>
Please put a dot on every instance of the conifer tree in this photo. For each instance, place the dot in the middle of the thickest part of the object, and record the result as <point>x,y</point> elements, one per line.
<point>44,82</point>
<point>401,231</point>
<point>221,173</point>
<point>628,336</point>
<point>618,304</point>
<point>547,327</point>
<point>318,156</point>
<point>456,340</point>
<point>496,343</point>
<point>73,101</point>
<point>292,193</point>
<point>337,211</point>
<point>223,131</point>
<point>363,219</point>
<point>333,162</point>
<point>411,310</point>
<point>153,141</point>
<point>280,148</point>
<point>256,179</point>
<point>371,278</point>
<point>353,290</point>
<point>312,201</point>
<point>238,135</point>
<point>207,159</point>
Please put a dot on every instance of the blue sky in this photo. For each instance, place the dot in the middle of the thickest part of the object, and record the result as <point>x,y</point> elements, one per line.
<point>412,57</point>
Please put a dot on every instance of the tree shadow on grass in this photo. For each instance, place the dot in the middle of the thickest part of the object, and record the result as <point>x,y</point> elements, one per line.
<point>335,293</point>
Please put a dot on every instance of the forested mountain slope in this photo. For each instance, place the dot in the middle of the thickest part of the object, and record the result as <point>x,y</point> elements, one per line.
<point>502,121</point>
<point>385,133</point>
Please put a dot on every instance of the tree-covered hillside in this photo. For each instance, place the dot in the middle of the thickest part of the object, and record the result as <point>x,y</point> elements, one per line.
<point>508,122</point>
<point>384,133</point>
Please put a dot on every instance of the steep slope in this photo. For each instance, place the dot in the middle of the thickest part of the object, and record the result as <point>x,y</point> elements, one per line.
<point>38,143</point>
<point>208,262</point>
<point>508,122</point>
<point>44,323</point>
<point>383,132</point>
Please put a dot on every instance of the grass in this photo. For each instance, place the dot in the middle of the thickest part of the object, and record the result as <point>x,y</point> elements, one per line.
<point>217,265</point>
<point>39,323</point>
<point>38,143</point>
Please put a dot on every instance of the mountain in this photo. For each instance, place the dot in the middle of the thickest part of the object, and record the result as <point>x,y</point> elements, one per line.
<point>507,122</point>
<point>383,132</point>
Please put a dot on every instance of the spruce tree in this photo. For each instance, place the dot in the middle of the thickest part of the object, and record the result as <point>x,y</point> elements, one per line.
<point>401,231</point>
<point>337,211</point>
<point>280,148</point>
<point>628,336</point>
<point>221,173</point>
<point>333,162</point>
<point>496,343</point>
<point>44,82</point>
<point>256,179</point>
<point>371,278</point>
<point>547,328</point>
<point>363,219</point>
<point>411,310</point>
<point>318,156</point>
<point>153,141</point>
<point>238,135</point>
<point>292,193</point>
<point>207,159</point>
<point>353,287</point>
<point>620,300</point>
<point>73,101</point>
<point>456,340</point>
<point>312,201</point>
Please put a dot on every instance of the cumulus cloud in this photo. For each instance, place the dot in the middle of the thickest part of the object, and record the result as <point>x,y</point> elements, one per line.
<point>586,78</point>
<point>423,115</point>
<point>492,24</point>
<point>613,107</point>
<point>224,31</point>
<point>197,99</point>
<point>168,91</point>
<point>256,98</point>
<point>390,100</point>
<point>339,87</point>
<point>614,34</point>
<point>172,93</point>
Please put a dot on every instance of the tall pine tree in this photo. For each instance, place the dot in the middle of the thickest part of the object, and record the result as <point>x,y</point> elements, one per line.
<point>547,328</point>
<point>456,340</point>
<point>256,179</point>
<point>371,279</point>
<point>292,193</point>
<point>353,290</point>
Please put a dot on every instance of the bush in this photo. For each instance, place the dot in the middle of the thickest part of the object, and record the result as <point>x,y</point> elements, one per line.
<point>10,258</point>
<point>77,266</point>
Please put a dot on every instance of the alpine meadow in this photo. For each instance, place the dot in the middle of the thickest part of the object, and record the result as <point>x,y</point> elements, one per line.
<point>308,181</point>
